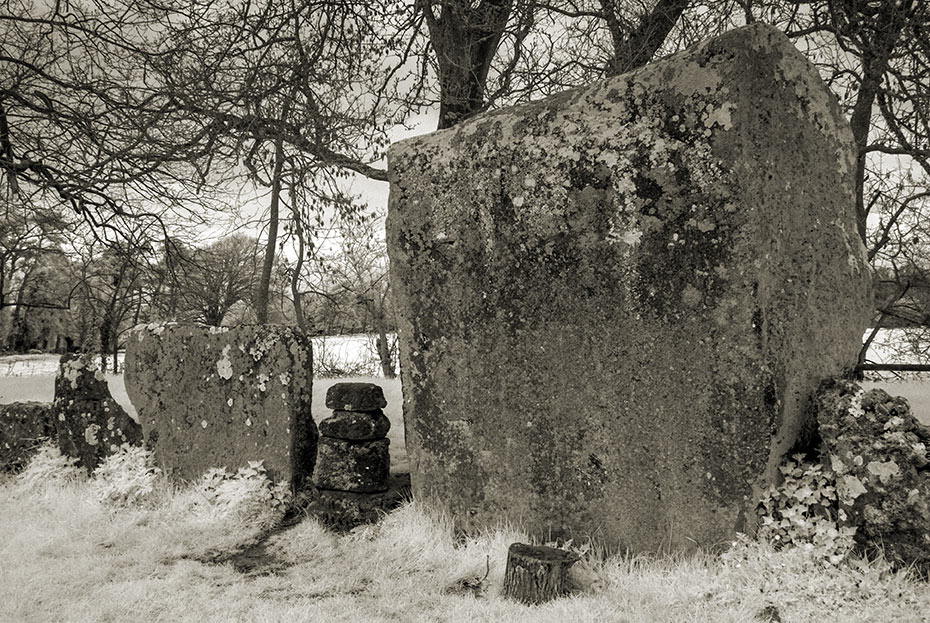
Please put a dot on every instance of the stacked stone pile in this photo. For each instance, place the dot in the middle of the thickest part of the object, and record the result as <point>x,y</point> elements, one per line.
<point>353,451</point>
<point>353,465</point>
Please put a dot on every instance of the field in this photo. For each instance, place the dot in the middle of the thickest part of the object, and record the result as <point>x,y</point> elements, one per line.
<point>67,556</point>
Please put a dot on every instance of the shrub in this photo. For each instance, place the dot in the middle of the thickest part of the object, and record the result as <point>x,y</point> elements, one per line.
<point>126,478</point>
<point>803,511</point>
<point>48,467</point>
<point>248,495</point>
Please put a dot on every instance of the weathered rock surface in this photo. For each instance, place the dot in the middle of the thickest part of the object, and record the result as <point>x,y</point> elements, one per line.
<point>356,425</point>
<point>90,424</point>
<point>342,510</point>
<point>356,466</point>
<point>879,453</point>
<point>615,303</point>
<point>355,397</point>
<point>23,426</point>
<point>221,397</point>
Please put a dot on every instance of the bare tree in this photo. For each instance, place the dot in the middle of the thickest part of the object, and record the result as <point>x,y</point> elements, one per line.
<point>206,282</point>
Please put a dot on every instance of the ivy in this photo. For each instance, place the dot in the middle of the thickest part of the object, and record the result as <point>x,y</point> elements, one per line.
<point>803,511</point>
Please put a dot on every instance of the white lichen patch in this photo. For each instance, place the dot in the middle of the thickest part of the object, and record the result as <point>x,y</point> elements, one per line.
<point>229,402</point>
<point>224,365</point>
<point>265,343</point>
<point>285,378</point>
<point>262,380</point>
<point>720,116</point>
<point>71,370</point>
<point>855,404</point>
<point>203,424</point>
<point>885,470</point>
<point>849,488</point>
<point>90,434</point>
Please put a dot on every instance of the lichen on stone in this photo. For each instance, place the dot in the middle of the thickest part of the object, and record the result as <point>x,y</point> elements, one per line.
<point>90,434</point>
<point>224,365</point>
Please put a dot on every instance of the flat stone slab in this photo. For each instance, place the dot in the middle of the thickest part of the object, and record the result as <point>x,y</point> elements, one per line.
<point>615,303</point>
<point>90,425</point>
<point>355,397</point>
<point>342,511</point>
<point>213,397</point>
<point>356,425</point>
<point>23,427</point>
<point>355,466</point>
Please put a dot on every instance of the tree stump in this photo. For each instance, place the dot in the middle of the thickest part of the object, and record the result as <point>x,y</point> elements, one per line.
<point>535,573</point>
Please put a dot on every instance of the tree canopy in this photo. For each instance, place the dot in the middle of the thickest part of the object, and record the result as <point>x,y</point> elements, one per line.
<point>120,111</point>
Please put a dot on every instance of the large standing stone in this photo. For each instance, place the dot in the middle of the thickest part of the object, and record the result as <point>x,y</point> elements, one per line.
<point>90,424</point>
<point>879,453</point>
<point>23,426</point>
<point>615,302</point>
<point>212,397</point>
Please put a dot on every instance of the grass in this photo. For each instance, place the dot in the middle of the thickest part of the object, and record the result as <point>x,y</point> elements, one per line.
<point>67,557</point>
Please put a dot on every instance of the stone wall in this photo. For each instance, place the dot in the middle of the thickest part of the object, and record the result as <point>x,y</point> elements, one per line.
<point>614,303</point>
<point>877,452</point>
<point>212,397</point>
<point>23,427</point>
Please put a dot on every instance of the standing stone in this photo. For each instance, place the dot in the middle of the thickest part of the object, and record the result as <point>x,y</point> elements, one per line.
<point>23,427</point>
<point>879,453</point>
<point>214,397</point>
<point>615,303</point>
<point>90,424</point>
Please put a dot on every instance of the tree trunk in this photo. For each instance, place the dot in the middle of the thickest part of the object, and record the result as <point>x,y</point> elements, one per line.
<point>105,339</point>
<point>114,341</point>
<point>874,58</point>
<point>261,299</point>
<point>535,573</point>
<point>465,37</point>
<point>384,352</point>
<point>298,266</point>
<point>637,48</point>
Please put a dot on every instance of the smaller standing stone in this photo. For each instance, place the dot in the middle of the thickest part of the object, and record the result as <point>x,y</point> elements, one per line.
<point>535,573</point>
<point>22,427</point>
<point>355,397</point>
<point>90,424</point>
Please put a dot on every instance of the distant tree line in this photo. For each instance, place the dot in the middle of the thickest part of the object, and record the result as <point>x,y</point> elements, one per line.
<point>61,292</point>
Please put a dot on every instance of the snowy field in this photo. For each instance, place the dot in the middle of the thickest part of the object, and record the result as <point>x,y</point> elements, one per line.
<point>31,377</point>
